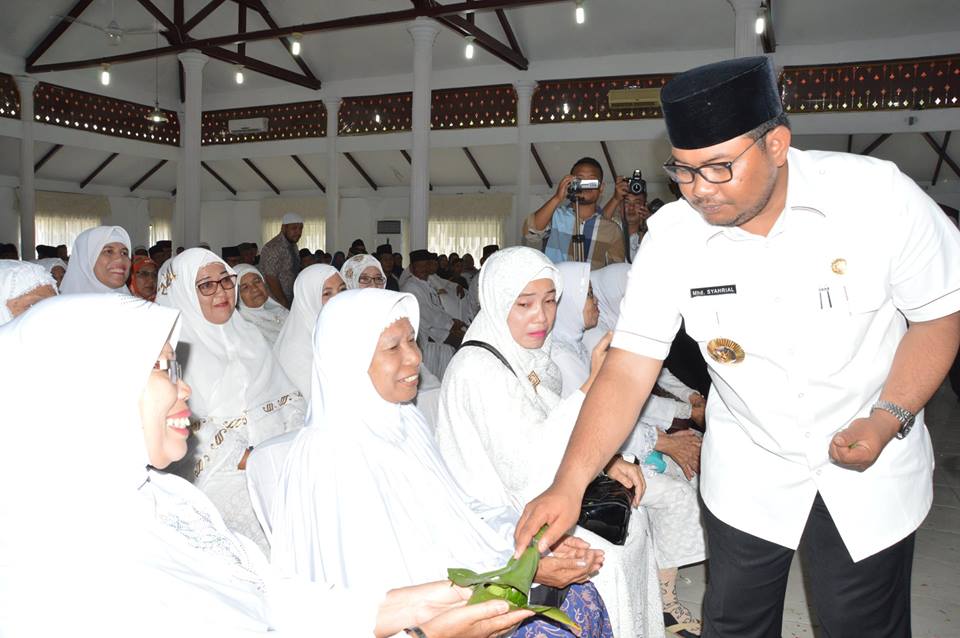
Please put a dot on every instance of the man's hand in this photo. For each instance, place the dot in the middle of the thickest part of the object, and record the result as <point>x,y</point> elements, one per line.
<point>629,475</point>
<point>698,414</point>
<point>621,189</point>
<point>558,507</point>
<point>859,445</point>
<point>561,193</point>
<point>460,291</point>
<point>572,561</point>
<point>684,448</point>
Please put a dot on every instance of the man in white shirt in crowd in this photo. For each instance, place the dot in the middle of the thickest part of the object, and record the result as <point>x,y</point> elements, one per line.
<point>796,272</point>
<point>436,325</point>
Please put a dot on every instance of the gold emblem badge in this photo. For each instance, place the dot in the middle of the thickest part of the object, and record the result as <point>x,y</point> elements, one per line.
<point>839,266</point>
<point>534,379</point>
<point>725,351</point>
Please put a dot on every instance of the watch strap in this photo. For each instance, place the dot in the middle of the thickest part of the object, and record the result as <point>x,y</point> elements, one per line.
<point>903,415</point>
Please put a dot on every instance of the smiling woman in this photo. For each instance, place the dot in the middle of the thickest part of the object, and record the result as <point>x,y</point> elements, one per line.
<point>100,262</point>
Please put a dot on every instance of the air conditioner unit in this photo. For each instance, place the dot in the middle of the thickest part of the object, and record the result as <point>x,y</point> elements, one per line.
<point>633,98</point>
<point>252,125</point>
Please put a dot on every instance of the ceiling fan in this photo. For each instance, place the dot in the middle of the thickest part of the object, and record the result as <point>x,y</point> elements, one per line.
<point>114,32</point>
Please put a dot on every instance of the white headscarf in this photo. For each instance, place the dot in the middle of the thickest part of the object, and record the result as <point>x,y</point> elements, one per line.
<point>503,277</point>
<point>122,549</point>
<point>18,278</point>
<point>86,249</point>
<point>569,353</point>
<point>354,267</point>
<point>367,466</point>
<point>269,317</point>
<point>609,287</point>
<point>49,263</point>
<point>229,366</point>
<point>292,348</point>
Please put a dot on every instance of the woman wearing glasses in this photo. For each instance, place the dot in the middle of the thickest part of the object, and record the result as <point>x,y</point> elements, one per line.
<point>241,396</point>
<point>363,271</point>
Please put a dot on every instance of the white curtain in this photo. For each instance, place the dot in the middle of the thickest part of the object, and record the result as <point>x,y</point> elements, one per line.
<point>161,219</point>
<point>463,234</point>
<point>314,232</point>
<point>60,217</point>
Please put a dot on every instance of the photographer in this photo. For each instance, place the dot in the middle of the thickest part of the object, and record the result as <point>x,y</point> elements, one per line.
<point>632,194</point>
<point>556,221</point>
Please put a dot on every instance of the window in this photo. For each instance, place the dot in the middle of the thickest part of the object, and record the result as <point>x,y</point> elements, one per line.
<point>55,229</point>
<point>314,232</point>
<point>464,234</point>
<point>159,229</point>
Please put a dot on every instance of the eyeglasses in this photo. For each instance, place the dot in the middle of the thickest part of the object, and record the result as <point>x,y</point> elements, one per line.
<point>375,281</point>
<point>719,173</point>
<point>172,367</point>
<point>208,288</point>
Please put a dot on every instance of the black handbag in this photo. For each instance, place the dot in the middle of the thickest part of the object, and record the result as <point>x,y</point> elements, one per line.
<point>607,503</point>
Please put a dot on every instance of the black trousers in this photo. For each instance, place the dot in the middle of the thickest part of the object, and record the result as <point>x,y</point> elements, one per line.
<point>747,580</point>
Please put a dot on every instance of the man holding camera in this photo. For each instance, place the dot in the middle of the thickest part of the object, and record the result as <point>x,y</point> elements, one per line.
<point>558,221</point>
<point>631,193</point>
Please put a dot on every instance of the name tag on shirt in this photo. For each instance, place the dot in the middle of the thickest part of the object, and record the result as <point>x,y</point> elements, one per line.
<point>729,289</point>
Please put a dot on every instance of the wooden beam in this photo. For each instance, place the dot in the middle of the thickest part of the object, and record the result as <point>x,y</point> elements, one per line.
<point>160,17</point>
<point>179,15</point>
<point>97,170</point>
<point>406,156</point>
<point>849,143</point>
<point>226,55</point>
<point>476,167</point>
<point>339,24</point>
<point>942,152</point>
<point>298,59</point>
<point>936,171</point>
<point>56,32</point>
<point>182,76</point>
<point>360,170</point>
<point>543,169</point>
<point>485,41</point>
<point>309,173</point>
<point>508,31</point>
<point>242,27</point>
<point>146,176</point>
<point>872,146</point>
<point>217,177</point>
<point>260,174</point>
<point>606,154</point>
<point>200,15</point>
<point>46,157</point>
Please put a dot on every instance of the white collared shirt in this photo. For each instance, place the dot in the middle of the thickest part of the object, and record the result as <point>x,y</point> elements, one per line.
<point>818,307</point>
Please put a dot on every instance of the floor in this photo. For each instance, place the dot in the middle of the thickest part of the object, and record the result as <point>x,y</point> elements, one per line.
<point>936,566</point>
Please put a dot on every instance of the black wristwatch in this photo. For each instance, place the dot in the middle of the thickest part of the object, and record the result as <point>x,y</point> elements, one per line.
<point>904,416</point>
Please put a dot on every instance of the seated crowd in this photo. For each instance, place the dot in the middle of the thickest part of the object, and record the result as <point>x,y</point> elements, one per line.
<point>229,358</point>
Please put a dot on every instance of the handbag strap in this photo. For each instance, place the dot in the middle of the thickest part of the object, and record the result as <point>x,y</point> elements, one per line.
<point>486,346</point>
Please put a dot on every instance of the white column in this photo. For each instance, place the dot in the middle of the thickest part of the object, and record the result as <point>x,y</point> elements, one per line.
<point>28,196</point>
<point>521,198</point>
<point>333,174</point>
<point>424,33</point>
<point>746,40</point>
<point>186,215</point>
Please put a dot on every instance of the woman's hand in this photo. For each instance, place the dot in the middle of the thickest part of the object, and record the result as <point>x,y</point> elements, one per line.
<point>597,358</point>
<point>572,561</point>
<point>484,620</point>
<point>629,475</point>
<point>684,448</point>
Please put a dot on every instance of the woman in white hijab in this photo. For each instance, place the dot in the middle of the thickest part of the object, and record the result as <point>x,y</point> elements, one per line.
<point>670,500</point>
<point>241,397</point>
<point>100,262</point>
<point>365,498</point>
<point>314,287</point>
<point>127,550</point>
<point>503,433</point>
<point>256,304</point>
<point>56,267</point>
<point>363,271</point>
<point>22,284</point>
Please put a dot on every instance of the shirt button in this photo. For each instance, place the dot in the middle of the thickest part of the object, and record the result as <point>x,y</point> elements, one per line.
<point>800,396</point>
<point>776,300</point>
<point>806,434</point>
<point>819,472</point>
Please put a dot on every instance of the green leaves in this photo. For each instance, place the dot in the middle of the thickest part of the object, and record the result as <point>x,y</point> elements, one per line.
<point>511,583</point>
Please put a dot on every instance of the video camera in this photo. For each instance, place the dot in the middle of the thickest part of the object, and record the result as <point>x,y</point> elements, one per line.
<point>578,185</point>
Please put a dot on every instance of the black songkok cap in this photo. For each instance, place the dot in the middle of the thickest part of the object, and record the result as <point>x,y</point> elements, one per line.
<point>718,102</point>
<point>420,255</point>
<point>229,251</point>
<point>489,249</point>
<point>384,248</point>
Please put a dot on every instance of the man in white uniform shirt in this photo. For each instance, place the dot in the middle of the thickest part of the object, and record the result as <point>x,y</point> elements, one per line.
<point>797,273</point>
